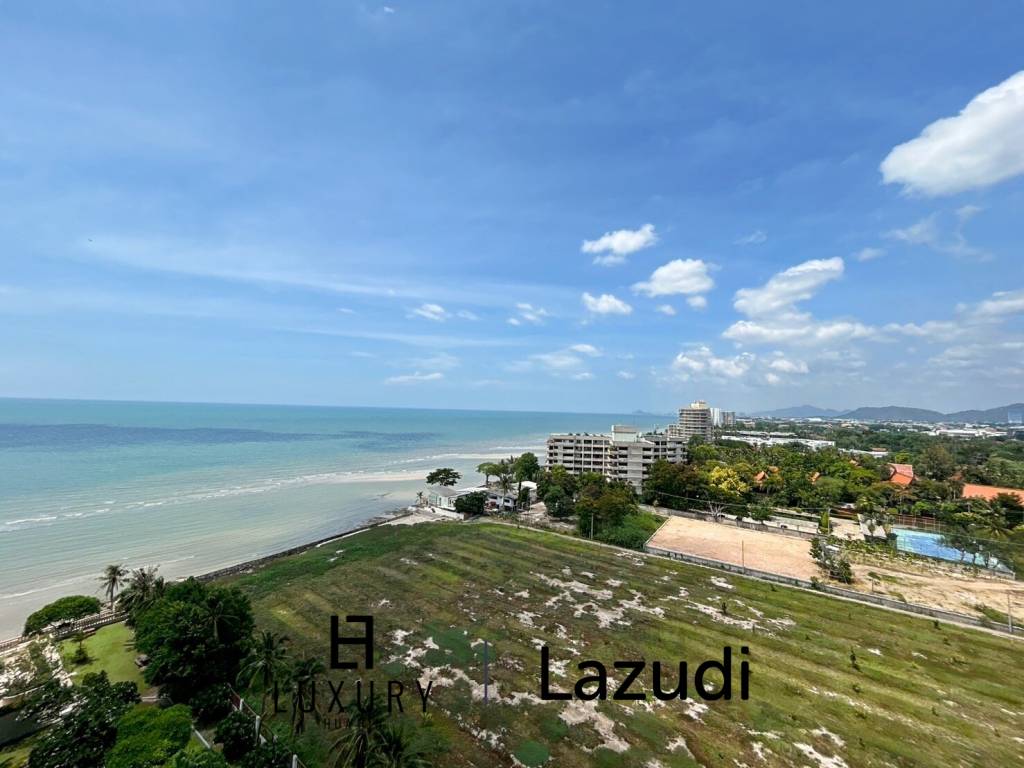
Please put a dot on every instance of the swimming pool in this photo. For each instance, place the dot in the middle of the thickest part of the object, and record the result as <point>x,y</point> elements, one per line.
<point>930,544</point>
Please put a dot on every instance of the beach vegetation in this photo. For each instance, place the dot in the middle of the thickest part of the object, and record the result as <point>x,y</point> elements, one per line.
<point>113,578</point>
<point>147,737</point>
<point>195,635</point>
<point>266,665</point>
<point>471,504</point>
<point>236,734</point>
<point>444,476</point>
<point>526,466</point>
<point>87,725</point>
<point>67,608</point>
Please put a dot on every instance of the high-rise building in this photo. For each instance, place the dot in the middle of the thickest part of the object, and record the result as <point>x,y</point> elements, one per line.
<point>626,454</point>
<point>694,419</point>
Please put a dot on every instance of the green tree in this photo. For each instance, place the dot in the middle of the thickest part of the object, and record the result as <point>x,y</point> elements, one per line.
<point>397,747</point>
<point>81,737</point>
<point>196,636</point>
<point>237,735</point>
<point>144,587</point>
<point>305,674</point>
<point>487,469</point>
<point>113,577</point>
<point>266,664</point>
<point>558,502</point>
<point>367,719</point>
<point>526,467</point>
<point>936,462</point>
<point>272,754</point>
<point>471,504</point>
<point>63,609</point>
<point>445,477</point>
<point>148,737</point>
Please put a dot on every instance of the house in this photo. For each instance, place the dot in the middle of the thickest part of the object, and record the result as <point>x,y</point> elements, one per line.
<point>901,474</point>
<point>499,501</point>
<point>989,492</point>
<point>442,499</point>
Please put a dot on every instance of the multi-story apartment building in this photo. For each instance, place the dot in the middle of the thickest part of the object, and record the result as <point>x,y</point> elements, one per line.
<point>626,454</point>
<point>694,419</point>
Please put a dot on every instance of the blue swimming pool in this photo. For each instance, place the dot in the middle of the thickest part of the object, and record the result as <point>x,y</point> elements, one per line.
<point>930,545</point>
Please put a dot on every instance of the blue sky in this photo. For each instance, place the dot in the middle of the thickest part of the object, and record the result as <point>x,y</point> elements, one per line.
<point>574,206</point>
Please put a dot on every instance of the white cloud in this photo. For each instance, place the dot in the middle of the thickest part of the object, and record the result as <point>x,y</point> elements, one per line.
<point>465,314</point>
<point>797,329</point>
<point>927,232</point>
<point>697,302</point>
<point>867,254</point>
<point>627,375</point>
<point>606,304</point>
<point>434,312</point>
<point>583,376</point>
<point>666,309</point>
<point>527,313</point>
<point>341,310</point>
<point>923,232</point>
<point>754,238</point>
<point>785,365</point>
<point>774,317</point>
<point>1001,303</point>
<point>701,361</point>
<point>442,361</point>
<point>981,146</point>
<point>613,247</point>
<point>680,276</point>
<point>586,349</point>
<point>558,361</point>
<point>772,378</point>
<point>784,289</point>
<point>415,378</point>
<point>930,329</point>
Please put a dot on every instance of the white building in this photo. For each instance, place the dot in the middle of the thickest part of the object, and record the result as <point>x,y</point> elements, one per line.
<point>696,419</point>
<point>626,454</point>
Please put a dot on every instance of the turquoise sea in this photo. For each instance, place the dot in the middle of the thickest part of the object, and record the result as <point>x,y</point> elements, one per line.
<point>194,487</point>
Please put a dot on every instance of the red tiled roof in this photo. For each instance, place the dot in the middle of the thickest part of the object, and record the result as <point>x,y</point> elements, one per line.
<point>902,474</point>
<point>989,492</point>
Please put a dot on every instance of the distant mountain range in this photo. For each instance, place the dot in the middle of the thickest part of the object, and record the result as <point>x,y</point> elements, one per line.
<point>1001,415</point>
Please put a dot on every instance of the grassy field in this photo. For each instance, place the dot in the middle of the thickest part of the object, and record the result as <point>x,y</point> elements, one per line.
<point>111,648</point>
<point>833,683</point>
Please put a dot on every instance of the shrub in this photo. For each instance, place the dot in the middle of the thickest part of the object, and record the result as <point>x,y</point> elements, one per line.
<point>211,705</point>
<point>198,758</point>
<point>150,737</point>
<point>65,609</point>
<point>237,732</point>
<point>273,754</point>
<point>632,532</point>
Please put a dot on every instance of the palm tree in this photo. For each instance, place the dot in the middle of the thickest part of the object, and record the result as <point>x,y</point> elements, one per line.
<point>112,579</point>
<point>397,748</point>
<point>304,675</point>
<point>267,662</point>
<point>219,615</point>
<point>367,719</point>
<point>144,586</point>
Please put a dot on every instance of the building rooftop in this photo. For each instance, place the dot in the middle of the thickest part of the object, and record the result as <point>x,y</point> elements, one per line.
<point>989,492</point>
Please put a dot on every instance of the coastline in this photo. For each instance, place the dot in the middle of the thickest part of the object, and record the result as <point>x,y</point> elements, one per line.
<point>248,565</point>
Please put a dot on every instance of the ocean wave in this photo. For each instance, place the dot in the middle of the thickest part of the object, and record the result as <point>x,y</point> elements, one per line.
<point>26,520</point>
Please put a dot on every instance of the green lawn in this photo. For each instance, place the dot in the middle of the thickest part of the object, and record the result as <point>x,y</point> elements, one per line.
<point>112,649</point>
<point>834,683</point>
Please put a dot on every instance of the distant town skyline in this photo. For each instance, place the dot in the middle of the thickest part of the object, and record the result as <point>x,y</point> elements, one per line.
<point>571,208</point>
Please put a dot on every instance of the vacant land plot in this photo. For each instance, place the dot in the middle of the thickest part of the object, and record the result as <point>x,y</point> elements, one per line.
<point>834,684</point>
<point>770,552</point>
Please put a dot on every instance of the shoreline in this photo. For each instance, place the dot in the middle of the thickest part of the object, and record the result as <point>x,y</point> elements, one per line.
<point>376,521</point>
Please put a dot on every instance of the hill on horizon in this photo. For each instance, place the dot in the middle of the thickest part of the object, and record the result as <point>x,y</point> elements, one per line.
<point>999,415</point>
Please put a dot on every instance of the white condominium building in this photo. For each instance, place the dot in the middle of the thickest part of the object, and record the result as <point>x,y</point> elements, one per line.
<point>626,454</point>
<point>694,419</point>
